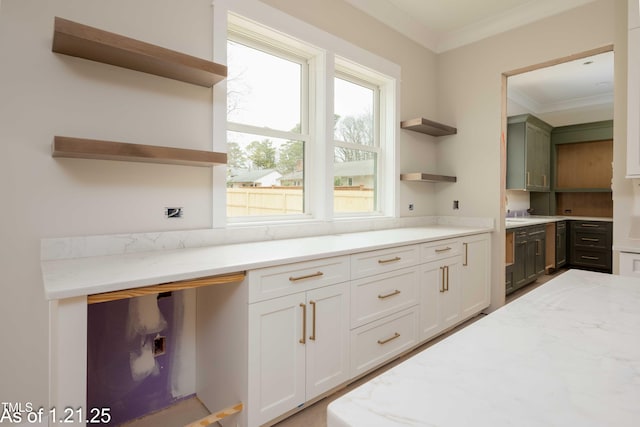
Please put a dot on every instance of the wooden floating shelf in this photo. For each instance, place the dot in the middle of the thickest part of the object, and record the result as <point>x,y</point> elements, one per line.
<point>426,177</point>
<point>109,150</point>
<point>427,126</point>
<point>166,287</point>
<point>83,41</point>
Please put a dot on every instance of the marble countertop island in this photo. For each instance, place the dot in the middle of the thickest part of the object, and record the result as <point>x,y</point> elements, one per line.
<point>565,354</point>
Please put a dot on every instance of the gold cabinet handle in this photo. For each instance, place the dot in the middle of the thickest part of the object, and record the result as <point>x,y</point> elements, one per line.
<point>396,292</point>
<point>308,276</point>
<point>538,246</point>
<point>304,323</point>
<point>528,178</point>
<point>589,225</point>
<point>395,335</point>
<point>544,180</point>
<point>313,320</point>
<point>589,239</point>
<point>439,251</point>
<point>592,258</point>
<point>466,254</point>
<point>442,289</point>
<point>385,261</point>
<point>446,269</point>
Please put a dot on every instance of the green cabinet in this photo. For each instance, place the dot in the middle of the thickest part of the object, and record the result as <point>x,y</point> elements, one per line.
<point>528,257</point>
<point>528,153</point>
<point>561,243</point>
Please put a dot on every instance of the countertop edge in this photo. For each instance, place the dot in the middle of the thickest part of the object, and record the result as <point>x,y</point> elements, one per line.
<point>75,277</point>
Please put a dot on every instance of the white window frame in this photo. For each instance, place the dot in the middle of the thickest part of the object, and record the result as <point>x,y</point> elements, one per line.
<point>329,54</point>
<point>242,34</point>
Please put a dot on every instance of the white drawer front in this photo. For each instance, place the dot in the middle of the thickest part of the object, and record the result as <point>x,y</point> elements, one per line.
<point>375,262</point>
<point>272,282</point>
<point>375,297</point>
<point>441,249</point>
<point>377,342</point>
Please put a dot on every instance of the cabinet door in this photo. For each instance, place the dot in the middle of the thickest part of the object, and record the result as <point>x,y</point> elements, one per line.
<point>276,357</point>
<point>450,299</point>
<point>519,259</point>
<point>633,105</point>
<point>540,258</point>
<point>476,280</point>
<point>561,244</point>
<point>431,287</point>
<point>327,338</point>
<point>538,158</point>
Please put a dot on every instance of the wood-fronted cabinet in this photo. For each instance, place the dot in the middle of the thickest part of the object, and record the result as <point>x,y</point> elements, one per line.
<point>528,153</point>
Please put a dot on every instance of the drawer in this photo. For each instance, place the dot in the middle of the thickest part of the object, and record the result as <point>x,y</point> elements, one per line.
<point>600,260</point>
<point>373,298</point>
<point>603,226</point>
<point>592,239</point>
<point>378,342</point>
<point>272,282</point>
<point>441,249</point>
<point>375,262</point>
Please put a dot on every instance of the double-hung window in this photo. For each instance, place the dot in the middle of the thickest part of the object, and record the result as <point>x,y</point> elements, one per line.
<point>309,132</point>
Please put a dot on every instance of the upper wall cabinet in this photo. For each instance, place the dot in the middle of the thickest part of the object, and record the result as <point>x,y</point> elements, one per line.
<point>427,126</point>
<point>71,38</point>
<point>634,14</point>
<point>528,153</point>
<point>633,105</point>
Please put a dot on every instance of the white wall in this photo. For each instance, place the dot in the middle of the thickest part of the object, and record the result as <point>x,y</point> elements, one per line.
<point>43,94</point>
<point>469,94</point>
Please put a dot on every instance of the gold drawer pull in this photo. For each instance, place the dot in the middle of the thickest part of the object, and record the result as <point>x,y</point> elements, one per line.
<point>395,335</point>
<point>384,261</point>
<point>439,251</point>
<point>590,225</point>
<point>589,239</point>
<point>442,288</point>
<point>396,292</point>
<point>593,258</point>
<point>308,276</point>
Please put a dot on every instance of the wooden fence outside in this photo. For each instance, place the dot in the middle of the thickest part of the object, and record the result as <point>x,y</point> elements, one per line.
<point>252,201</point>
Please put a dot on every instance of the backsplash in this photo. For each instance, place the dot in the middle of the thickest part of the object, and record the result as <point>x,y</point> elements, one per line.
<point>103,245</point>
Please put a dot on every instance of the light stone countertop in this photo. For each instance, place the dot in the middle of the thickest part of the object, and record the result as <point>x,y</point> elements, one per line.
<point>66,278</point>
<point>525,221</point>
<point>565,354</point>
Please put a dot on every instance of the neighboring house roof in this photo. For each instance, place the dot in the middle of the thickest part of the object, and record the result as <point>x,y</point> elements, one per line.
<point>251,176</point>
<point>355,168</point>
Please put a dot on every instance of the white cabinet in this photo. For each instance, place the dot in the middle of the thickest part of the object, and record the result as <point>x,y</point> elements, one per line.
<point>629,264</point>
<point>298,349</point>
<point>440,305</point>
<point>633,105</point>
<point>475,273</point>
<point>634,14</point>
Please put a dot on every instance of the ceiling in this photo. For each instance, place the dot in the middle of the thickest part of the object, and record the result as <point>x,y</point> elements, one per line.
<point>441,25</point>
<point>563,94</point>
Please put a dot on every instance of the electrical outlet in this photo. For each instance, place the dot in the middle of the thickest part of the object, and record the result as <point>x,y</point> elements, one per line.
<point>410,206</point>
<point>173,212</point>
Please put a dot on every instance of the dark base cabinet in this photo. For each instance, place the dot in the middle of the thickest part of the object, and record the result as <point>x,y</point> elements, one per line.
<point>529,257</point>
<point>590,245</point>
<point>561,244</point>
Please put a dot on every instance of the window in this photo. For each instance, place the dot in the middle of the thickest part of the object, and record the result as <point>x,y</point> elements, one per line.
<point>266,132</point>
<point>355,167</point>
<point>310,133</point>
